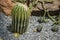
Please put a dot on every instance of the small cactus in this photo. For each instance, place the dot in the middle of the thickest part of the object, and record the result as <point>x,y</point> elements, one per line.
<point>55,28</point>
<point>20,19</point>
<point>38,28</point>
<point>42,20</point>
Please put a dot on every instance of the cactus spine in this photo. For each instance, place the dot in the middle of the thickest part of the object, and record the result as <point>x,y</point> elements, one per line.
<point>20,18</point>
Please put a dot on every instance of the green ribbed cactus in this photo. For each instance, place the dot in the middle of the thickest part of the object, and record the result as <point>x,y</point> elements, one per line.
<point>21,1</point>
<point>20,18</point>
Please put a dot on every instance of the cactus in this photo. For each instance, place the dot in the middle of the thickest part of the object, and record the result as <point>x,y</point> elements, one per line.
<point>38,28</point>
<point>20,18</point>
<point>21,1</point>
<point>55,28</point>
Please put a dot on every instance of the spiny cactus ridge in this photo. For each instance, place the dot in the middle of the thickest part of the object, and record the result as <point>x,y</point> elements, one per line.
<point>20,18</point>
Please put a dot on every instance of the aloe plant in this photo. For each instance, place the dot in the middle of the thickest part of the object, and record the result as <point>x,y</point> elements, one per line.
<point>20,18</point>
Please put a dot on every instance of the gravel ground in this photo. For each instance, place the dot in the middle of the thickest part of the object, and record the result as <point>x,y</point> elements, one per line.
<point>45,34</point>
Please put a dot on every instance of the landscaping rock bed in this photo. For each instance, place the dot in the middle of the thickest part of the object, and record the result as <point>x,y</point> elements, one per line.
<point>44,34</point>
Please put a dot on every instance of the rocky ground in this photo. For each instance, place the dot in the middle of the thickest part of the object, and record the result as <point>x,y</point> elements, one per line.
<point>45,34</point>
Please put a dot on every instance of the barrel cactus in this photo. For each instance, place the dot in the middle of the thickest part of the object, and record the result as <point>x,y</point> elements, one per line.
<point>21,1</point>
<point>20,19</point>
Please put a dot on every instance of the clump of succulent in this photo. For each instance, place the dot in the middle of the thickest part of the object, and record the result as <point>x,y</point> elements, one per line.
<point>38,28</point>
<point>20,19</point>
<point>41,20</point>
<point>55,28</point>
<point>45,9</point>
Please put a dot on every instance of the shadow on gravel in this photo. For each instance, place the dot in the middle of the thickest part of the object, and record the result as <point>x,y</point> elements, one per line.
<point>38,13</point>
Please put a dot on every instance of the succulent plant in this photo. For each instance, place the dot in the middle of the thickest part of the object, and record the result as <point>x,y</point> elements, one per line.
<point>42,20</point>
<point>20,19</point>
<point>38,28</point>
<point>55,28</point>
